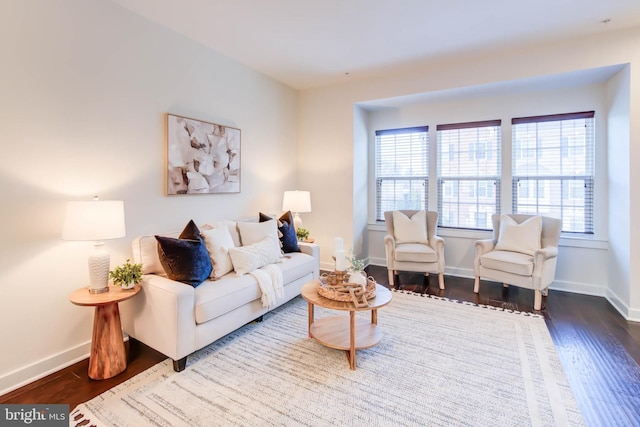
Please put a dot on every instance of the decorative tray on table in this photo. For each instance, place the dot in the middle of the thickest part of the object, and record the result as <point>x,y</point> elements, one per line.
<point>336,286</point>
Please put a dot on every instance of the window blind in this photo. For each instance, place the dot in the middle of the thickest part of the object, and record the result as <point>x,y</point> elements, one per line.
<point>402,169</point>
<point>468,174</point>
<point>553,168</point>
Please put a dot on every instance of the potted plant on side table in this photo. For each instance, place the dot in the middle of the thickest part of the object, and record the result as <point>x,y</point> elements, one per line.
<point>126,275</point>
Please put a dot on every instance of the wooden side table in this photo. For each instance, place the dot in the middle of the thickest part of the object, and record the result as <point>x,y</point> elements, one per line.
<point>108,357</point>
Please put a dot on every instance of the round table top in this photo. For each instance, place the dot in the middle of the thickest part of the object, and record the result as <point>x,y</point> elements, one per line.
<point>116,294</point>
<point>310,293</point>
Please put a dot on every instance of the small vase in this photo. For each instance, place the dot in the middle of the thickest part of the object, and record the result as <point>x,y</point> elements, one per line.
<point>359,278</point>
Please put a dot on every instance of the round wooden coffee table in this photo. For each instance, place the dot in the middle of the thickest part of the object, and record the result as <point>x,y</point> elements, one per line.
<point>342,332</point>
<point>108,357</point>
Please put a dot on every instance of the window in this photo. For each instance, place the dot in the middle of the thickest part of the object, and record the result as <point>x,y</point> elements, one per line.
<point>402,169</point>
<point>468,174</point>
<point>553,168</point>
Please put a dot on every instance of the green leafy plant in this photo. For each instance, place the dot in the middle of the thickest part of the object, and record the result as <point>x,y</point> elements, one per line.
<point>302,233</point>
<point>126,273</point>
<point>356,264</point>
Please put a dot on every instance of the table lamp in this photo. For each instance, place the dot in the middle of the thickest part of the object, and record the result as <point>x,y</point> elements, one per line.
<point>296,202</point>
<point>95,220</point>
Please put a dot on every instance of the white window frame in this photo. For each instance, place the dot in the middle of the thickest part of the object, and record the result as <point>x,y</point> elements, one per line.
<point>478,150</point>
<point>567,183</point>
<point>399,177</point>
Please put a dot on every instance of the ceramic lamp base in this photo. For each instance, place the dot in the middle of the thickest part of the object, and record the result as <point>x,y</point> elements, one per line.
<point>99,269</point>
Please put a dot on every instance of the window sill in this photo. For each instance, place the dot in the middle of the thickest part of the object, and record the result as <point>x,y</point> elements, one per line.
<point>566,240</point>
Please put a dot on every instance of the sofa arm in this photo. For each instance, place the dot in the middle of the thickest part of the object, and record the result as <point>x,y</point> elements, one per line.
<point>162,316</point>
<point>313,250</point>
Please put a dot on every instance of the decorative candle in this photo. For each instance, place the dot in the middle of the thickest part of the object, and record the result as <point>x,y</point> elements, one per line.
<point>337,245</point>
<point>341,261</point>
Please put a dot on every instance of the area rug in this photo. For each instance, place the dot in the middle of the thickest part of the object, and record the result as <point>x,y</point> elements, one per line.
<point>440,362</point>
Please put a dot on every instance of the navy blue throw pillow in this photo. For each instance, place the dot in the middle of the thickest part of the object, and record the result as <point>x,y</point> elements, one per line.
<point>288,238</point>
<point>185,259</point>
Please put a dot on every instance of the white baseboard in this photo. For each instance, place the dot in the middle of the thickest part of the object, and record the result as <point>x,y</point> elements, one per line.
<point>558,285</point>
<point>27,374</point>
<point>632,315</point>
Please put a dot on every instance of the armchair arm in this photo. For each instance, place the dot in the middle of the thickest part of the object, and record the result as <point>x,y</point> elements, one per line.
<point>545,253</point>
<point>162,316</point>
<point>437,243</point>
<point>544,266</point>
<point>482,247</point>
<point>390,248</point>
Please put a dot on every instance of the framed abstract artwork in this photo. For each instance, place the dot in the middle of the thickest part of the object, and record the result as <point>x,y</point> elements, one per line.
<point>202,157</point>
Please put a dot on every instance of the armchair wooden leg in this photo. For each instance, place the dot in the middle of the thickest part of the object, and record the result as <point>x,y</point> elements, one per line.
<point>504,285</point>
<point>390,272</point>
<point>537,301</point>
<point>441,280</point>
<point>476,285</point>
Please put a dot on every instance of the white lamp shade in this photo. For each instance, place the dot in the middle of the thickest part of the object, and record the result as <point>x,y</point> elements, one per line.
<point>296,201</point>
<point>94,220</point>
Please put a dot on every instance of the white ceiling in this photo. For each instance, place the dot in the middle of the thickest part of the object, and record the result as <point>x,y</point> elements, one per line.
<point>306,43</point>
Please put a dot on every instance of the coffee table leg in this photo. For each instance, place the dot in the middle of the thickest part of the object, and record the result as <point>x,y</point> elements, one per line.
<point>352,340</point>
<point>374,316</point>
<point>310,319</point>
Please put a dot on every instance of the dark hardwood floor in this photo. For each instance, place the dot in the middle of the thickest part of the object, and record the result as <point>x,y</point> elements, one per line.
<point>599,350</point>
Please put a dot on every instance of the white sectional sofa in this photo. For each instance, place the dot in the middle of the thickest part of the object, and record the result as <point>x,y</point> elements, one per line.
<point>177,319</point>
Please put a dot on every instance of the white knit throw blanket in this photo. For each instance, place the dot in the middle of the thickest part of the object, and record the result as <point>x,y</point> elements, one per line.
<point>270,280</point>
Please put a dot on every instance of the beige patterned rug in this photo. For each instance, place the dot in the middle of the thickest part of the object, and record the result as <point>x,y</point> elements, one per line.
<point>440,363</point>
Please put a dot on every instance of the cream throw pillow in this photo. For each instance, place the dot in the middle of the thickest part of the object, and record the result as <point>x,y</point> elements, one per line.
<point>247,258</point>
<point>218,242</point>
<point>254,232</point>
<point>523,238</point>
<point>410,230</point>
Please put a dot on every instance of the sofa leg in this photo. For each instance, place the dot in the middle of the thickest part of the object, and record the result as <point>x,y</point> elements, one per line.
<point>390,272</point>
<point>537,300</point>
<point>504,285</point>
<point>441,280</point>
<point>259,319</point>
<point>476,285</point>
<point>180,364</point>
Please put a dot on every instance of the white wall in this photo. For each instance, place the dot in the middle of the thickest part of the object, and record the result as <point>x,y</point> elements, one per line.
<point>84,88</point>
<point>527,98</point>
<point>330,106</point>
<point>619,193</point>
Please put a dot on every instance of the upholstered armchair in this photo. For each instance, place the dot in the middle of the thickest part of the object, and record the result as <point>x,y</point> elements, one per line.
<point>523,252</point>
<point>411,244</point>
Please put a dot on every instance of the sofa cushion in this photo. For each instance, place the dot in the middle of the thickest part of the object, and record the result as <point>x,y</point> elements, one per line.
<point>523,237</point>
<point>185,259</point>
<point>410,230</point>
<point>509,262</point>
<point>215,298</point>
<point>415,252</point>
<point>295,266</point>
<point>218,242</point>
